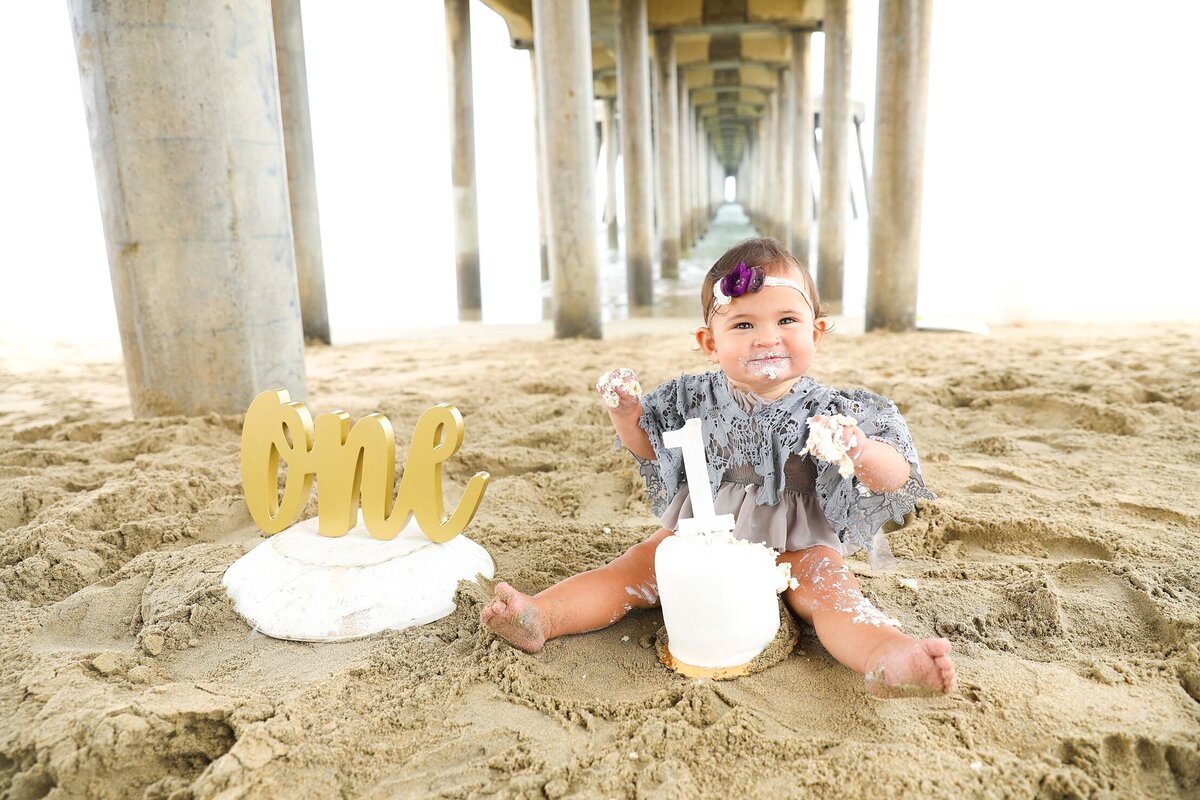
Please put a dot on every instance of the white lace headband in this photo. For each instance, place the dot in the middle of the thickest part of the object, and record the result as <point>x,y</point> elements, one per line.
<point>742,279</point>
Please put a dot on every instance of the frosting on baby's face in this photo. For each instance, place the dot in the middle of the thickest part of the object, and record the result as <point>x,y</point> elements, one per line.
<point>764,341</point>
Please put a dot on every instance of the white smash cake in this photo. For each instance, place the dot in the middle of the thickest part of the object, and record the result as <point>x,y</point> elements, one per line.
<point>719,598</point>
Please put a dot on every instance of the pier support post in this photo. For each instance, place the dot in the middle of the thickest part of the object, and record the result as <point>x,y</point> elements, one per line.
<point>539,168</point>
<point>462,159</point>
<point>608,132</point>
<point>802,136</point>
<point>301,170</point>
<point>562,46</point>
<point>686,232</point>
<point>668,152</point>
<point>787,123</point>
<point>633,93</point>
<point>901,97</point>
<point>835,155</point>
<point>182,106</point>
<point>771,218</point>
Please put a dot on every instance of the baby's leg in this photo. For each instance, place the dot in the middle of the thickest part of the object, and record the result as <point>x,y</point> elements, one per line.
<point>584,602</point>
<point>860,635</point>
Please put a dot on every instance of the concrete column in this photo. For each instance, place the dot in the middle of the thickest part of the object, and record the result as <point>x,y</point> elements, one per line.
<point>182,106</point>
<point>686,231</point>
<point>751,173</point>
<point>608,133</point>
<point>539,168</point>
<point>633,93</point>
<point>701,175</point>
<point>668,152</point>
<point>787,117</point>
<point>562,46</point>
<point>835,154</point>
<point>693,129</point>
<point>901,94</point>
<point>462,158</point>
<point>717,195</point>
<point>770,157</point>
<point>301,171</point>
<point>746,175</point>
<point>802,134</point>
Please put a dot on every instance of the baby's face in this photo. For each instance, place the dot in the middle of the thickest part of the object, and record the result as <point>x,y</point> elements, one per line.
<point>764,341</point>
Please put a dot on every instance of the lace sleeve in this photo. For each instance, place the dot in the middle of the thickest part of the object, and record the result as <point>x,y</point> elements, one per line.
<point>662,410</point>
<point>854,511</point>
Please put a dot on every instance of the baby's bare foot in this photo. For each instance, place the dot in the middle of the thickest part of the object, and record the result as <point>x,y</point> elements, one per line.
<point>514,616</point>
<point>914,669</point>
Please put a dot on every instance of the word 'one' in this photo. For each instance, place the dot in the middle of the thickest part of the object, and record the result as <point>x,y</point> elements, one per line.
<point>351,464</point>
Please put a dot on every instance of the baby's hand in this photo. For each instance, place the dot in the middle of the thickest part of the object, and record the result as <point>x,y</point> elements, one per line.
<point>836,439</point>
<point>621,391</point>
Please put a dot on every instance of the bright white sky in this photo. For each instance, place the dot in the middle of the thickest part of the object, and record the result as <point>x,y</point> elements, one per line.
<point>1061,166</point>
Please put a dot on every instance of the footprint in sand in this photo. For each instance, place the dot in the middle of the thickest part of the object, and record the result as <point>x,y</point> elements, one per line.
<point>1105,612</point>
<point>1018,541</point>
<point>1157,767</point>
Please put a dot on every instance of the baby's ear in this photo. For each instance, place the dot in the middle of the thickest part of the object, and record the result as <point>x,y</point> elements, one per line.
<point>704,338</point>
<point>820,326</point>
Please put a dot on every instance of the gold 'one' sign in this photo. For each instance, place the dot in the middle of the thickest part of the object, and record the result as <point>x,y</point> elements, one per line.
<point>349,464</point>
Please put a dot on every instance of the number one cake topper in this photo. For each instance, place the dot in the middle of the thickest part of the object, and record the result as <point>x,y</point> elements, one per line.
<point>399,565</point>
<point>352,464</point>
<point>695,466</point>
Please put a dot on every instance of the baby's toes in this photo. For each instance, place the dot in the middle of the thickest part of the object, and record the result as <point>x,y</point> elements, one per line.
<point>949,679</point>
<point>946,669</point>
<point>937,648</point>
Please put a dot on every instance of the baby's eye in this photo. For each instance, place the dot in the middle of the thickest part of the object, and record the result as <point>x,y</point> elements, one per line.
<point>742,326</point>
<point>788,321</point>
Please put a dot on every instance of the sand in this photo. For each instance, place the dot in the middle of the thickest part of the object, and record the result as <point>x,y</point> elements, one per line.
<point>1062,560</point>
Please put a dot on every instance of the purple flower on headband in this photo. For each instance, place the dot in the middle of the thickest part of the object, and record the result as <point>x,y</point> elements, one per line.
<point>757,276</point>
<point>742,279</point>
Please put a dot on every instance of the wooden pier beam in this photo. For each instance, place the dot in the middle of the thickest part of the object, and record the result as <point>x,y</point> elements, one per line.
<point>633,93</point>
<point>301,170</point>
<point>562,46</point>
<point>835,155</point>
<point>462,159</point>
<point>182,105</point>
<point>901,99</point>
<point>667,162</point>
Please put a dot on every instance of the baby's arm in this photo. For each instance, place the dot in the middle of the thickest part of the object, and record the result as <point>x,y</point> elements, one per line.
<point>878,466</point>
<point>615,387</point>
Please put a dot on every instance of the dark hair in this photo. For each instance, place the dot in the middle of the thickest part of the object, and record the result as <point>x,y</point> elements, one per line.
<point>771,255</point>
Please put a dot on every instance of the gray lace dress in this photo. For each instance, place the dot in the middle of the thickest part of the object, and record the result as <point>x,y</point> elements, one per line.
<point>777,496</point>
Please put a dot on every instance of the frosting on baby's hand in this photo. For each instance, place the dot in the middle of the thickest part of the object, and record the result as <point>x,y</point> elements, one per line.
<point>624,379</point>
<point>826,443</point>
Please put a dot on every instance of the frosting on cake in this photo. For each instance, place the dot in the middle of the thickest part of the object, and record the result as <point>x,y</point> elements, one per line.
<point>719,597</point>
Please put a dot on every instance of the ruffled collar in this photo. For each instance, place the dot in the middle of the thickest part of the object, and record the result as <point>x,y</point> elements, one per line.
<point>727,395</point>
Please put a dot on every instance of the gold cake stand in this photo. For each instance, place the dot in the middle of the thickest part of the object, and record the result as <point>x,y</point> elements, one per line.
<point>777,650</point>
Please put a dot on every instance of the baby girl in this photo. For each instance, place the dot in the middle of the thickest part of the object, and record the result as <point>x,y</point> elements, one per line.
<point>763,322</point>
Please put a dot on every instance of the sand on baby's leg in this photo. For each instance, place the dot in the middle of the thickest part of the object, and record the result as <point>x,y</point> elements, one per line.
<point>584,602</point>
<point>861,636</point>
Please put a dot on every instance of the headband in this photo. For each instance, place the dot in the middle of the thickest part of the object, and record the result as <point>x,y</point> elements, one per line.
<point>742,279</point>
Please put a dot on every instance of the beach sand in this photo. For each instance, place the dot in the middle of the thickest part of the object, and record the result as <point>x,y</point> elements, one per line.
<point>1062,559</point>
